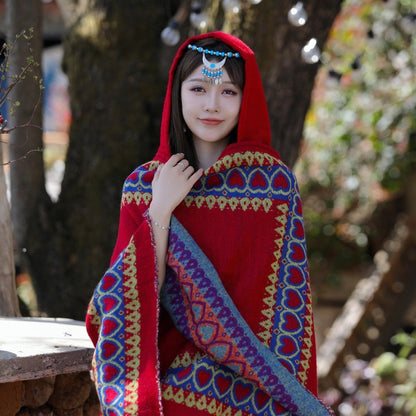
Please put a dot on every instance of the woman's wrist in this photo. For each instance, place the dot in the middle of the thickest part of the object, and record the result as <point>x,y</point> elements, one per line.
<point>160,218</point>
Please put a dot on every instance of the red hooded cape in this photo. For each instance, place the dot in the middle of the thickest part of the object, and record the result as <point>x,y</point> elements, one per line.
<point>234,334</point>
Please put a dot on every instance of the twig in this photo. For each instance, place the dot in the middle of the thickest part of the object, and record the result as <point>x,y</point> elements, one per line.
<point>39,149</point>
<point>17,79</point>
<point>3,129</point>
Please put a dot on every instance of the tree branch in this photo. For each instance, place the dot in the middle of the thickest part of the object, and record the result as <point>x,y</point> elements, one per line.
<point>22,157</point>
<point>17,79</point>
<point>3,130</point>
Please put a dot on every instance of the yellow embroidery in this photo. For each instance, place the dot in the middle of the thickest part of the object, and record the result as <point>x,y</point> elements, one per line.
<point>152,165</point>
<point>167,392</point>
<point>186,360</point>
<point>210,405</point>
<point>213,406</point>
<point>252,158</point>
<point>190,400</point>
<point>93,312</point>
<point>233,202</point>
<point>132,330</point>
<point>307,339</point>
<point>202,403</point>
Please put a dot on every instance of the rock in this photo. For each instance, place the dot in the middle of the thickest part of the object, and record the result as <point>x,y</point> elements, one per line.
<point>37,392</point>
<point>71,392</point>
<point>24,411</point>
<point>92,405</point>
<point>69,412</point>
<point>41,411</point>
<point>11,398</point>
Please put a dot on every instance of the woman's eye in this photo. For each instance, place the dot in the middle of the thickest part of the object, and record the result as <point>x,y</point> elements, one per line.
<point>230,92</point>
<point>197,89</point>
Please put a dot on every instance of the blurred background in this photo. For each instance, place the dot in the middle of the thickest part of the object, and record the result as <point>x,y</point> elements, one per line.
<point>88,80</point>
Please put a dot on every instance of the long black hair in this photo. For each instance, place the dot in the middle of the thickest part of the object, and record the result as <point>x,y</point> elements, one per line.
<point>180,138</point>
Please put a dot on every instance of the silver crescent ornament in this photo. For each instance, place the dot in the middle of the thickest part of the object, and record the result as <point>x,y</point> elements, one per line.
<point>212,71</point>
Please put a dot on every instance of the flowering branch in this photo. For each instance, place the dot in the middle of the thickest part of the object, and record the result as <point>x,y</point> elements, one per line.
<point>5,51</point>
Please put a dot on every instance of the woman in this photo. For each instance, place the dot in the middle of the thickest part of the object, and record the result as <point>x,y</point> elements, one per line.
<point>211,230</point>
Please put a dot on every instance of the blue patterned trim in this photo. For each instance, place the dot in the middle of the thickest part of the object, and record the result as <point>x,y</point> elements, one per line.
<point>109,351</point>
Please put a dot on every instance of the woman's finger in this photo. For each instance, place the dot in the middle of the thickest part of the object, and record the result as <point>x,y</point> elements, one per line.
<point>183,164</point>
<point>195,176</point>
<point>157,173</point>
<point>174,159</point>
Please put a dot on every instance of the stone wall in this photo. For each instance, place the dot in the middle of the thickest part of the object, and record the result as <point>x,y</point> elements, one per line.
<point>70,394</point>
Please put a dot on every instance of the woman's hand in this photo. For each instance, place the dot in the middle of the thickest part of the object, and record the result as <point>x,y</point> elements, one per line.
<point>171,183</point>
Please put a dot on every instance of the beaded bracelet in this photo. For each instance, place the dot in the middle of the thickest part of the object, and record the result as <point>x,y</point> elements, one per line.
<point>163,227</point>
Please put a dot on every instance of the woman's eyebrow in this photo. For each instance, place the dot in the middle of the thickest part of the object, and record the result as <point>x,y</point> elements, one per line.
<point>203,80</point>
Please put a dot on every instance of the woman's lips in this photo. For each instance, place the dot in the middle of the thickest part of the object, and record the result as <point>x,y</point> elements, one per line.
<point>210,121</point>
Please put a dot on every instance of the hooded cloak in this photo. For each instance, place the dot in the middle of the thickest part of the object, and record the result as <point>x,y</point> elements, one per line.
<point>232,331</point>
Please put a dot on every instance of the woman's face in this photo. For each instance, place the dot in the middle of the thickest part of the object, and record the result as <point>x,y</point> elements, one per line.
<point>210,111</point>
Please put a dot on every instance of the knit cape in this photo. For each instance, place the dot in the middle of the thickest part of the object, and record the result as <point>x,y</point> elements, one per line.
<point>232,331</point>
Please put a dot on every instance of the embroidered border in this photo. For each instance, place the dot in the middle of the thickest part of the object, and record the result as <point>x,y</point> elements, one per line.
<point>307,340</point>
<point>108,363</point>
<point>252,158</point>
<point>245,187</point>
<point>234,394</point>
<point>287,338</point>
<point>271,290</point>
<point>201,402</point>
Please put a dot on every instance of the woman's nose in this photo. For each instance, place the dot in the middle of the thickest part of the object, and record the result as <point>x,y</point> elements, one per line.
<point>212,102</point>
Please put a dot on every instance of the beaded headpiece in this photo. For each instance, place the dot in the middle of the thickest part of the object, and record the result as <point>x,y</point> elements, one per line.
<point>212,71</point>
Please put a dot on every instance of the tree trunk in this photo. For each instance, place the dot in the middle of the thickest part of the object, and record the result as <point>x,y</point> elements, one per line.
<point>26,173</point>
<point>117,69</point>
<point>111,55</point>
<point>288,81</point>
<point>8,297</point>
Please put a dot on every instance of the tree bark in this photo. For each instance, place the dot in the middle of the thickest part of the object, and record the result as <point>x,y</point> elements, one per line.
<point>112,54</point>
<point>8,298</point>
<point>288,81</point>
<point>27,179</point>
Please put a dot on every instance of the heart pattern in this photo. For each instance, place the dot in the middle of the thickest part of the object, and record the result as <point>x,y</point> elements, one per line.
<point>281,182</point>
<point>223,383</point>
<point>203,376</point>
<point>287,346</point>
<point>108,282</point>
<point>109,325</point>
<point>261,399</point>
<point>183,374</point>
<point>108,349</point>
<point>242,391</point>
<point>258,181</point>
<point>293,299</point>
<point>110,395</point>
<point>214,181</point>
<point>292,323</point>
<point>110,372</point>
<point>298,254</point>
<point>109,303</point>
<point>298,231</point>
<point>296,277</point>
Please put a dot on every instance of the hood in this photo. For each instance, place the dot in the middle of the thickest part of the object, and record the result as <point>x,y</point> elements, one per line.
<point>254,124</point>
